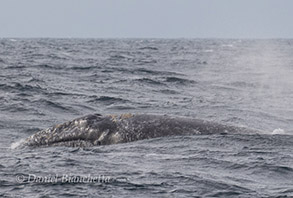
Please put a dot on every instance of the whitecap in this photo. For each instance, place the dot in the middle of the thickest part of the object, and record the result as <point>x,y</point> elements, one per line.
<point>16,144</point>
<point>278,131</point>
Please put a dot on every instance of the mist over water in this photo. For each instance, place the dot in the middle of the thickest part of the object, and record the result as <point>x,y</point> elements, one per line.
<point>248,83</point>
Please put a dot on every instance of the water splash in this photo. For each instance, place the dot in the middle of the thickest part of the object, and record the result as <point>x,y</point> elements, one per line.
<point>279,131</point>
<point>16,144</point>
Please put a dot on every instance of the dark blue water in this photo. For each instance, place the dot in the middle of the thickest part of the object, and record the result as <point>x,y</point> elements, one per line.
<point>248,83</point>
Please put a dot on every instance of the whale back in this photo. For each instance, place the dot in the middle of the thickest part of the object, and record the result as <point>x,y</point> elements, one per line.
<point>84,131</point>
<point>95,129</point>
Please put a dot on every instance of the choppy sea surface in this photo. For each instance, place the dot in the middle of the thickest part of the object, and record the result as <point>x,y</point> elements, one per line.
<point>248,83</point>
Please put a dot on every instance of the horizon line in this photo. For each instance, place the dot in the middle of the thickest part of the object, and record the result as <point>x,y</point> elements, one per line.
<point>187,38</point>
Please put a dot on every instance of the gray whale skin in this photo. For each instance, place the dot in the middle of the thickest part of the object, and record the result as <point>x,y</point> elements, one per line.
<point>95,129</point>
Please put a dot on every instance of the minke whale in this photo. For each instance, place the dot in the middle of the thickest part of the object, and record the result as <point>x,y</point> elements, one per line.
<point>96,129</point>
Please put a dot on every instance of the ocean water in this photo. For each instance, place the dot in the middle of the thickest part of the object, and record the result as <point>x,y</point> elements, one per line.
<point>247,83</point>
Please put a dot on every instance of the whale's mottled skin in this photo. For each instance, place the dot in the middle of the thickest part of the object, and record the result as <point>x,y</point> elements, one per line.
<point>95,129</point>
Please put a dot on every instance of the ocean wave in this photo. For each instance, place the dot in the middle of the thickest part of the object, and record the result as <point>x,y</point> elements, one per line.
<point>49,104</point>
<point>177,80</point>
<point>149,81</point>
<point>120,57</point>
<point>21,87</point>
<point>121,107</point>
<point>148,48</point>
<point>78,68</point>
<point>146,61</point>
<point>106,100</point>
<point>168,91</point>
<point>47,66</point>
<point>15,66</point>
